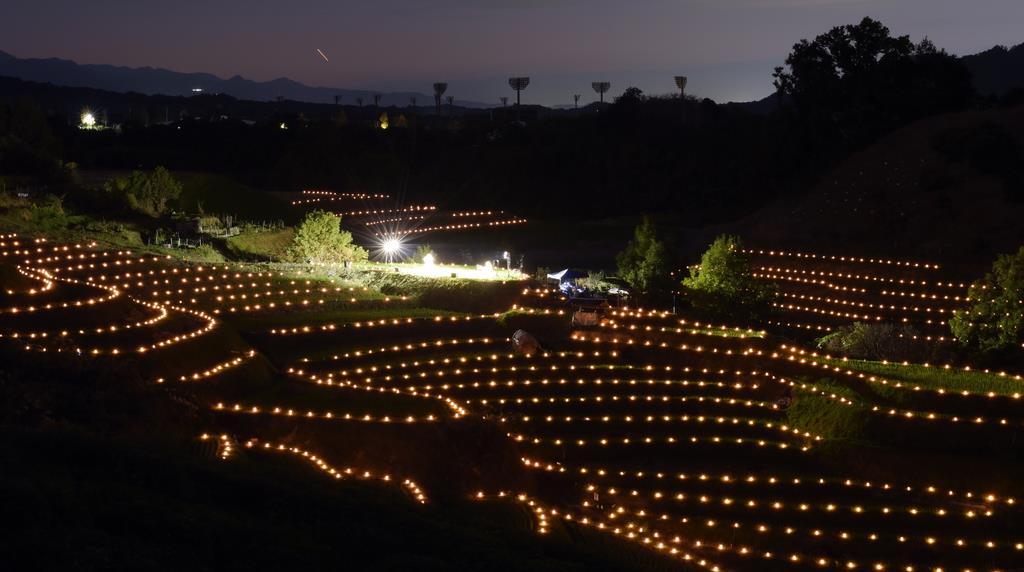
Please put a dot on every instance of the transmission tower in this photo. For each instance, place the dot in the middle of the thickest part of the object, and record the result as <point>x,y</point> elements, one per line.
<point>451,100</point>
<point>575,101</point>
<point>518,84</point>
<point>439,89</point>
<point>601,87</point>
<point>376,100</point>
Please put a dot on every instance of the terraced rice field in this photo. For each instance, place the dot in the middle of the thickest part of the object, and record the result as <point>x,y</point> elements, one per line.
<point>710,446</point>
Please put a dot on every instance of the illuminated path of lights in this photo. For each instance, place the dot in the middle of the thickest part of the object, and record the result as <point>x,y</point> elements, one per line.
<point>651,428</point>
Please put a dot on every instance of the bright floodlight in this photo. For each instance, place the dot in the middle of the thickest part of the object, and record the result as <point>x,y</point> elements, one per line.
<point>391,246</point>
<point>88,119</point>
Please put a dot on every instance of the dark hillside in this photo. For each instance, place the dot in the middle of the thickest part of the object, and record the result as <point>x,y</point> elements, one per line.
<point>949,187</point>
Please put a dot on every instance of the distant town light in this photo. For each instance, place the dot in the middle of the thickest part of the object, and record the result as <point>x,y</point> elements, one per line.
<point>283,125</point>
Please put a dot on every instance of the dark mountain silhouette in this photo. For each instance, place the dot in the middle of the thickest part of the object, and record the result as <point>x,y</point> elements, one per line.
<point>998,70</point>
<point>151,81</point>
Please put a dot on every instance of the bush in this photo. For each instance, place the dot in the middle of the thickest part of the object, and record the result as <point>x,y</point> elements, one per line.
<point>892,342</point>
<point>595,282</point>
<point>995,320</point>
<point>320,240</point>
<point>149,193</point>
<point>723,284</point>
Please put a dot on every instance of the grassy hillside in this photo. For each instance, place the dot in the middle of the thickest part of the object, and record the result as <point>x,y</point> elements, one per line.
<point>221,195</point>
<point>924,189</point>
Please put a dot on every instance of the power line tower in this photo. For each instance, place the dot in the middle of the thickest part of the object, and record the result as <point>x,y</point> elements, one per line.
<point>575,101</point>
<point>359,101</point>
<point>504,100</point>
<point>376,100</point>
<point>519,84</point>
<point>601,87</point>
<point>439,89</point>
<point>337,100</point>
<point>451,100</point>
<point>681,84</point>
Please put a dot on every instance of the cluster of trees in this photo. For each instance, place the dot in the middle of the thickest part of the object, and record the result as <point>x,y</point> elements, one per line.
<point>722,285</point>
<point>320,240</point>
<point>28,145</point>
<point>152,193</point>
<point>856,82</point>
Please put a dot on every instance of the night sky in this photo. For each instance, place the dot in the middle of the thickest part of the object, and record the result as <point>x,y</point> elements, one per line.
<point>727,47</point>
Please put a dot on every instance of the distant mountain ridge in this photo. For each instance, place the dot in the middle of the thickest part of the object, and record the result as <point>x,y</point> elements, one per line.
<point>997,70</point>
<point>150,81</point>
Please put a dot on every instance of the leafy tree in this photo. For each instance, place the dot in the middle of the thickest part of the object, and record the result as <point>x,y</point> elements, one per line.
<point>856,81</point>
<point>631,96</point>
<point>644,262</point>
<point>723,283</point>
<point>320,240</point>
<point>148,193</point>
<point>995,319</point>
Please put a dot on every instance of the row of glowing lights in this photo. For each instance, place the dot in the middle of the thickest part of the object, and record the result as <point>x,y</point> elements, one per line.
<point>39,250</point>
<point>464,226</point>
<point>161,309</point>
<point>946,366</point>
<point>839,314</point>
<point>337,473</point>
<point>290,412</point>
<point>905,414</point>
<point>408,209</point>
<point>833,508</point>
<point>226,447</point>
<point>114,263</point>
<point>331,327</point>
<point>849,276</point>
<point>857,259</point>
<point>899,385</point>
<point>776,481</point>
<point>844,302</point>
<point>357,195</point>
<point>930,541</point>
<point>467,214</point>
<point>966,369</point>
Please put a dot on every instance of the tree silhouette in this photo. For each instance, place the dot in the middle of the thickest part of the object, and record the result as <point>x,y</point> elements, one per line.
<point>855,82</point>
